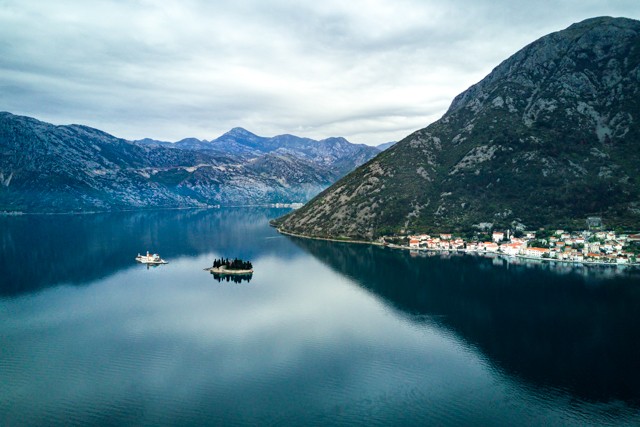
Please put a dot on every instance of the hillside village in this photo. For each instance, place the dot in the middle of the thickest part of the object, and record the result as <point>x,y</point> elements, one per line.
<point>590,247</point>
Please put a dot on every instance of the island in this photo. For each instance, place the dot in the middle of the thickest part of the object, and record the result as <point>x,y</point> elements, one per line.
<point>226,266</point>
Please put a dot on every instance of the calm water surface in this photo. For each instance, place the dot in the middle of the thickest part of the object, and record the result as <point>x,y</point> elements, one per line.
<point>323,333</point>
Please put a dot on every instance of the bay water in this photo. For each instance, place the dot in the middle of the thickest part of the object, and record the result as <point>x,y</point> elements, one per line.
<point>322,333</point>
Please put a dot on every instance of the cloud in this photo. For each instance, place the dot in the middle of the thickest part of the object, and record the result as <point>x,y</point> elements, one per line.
<point>371,71</point>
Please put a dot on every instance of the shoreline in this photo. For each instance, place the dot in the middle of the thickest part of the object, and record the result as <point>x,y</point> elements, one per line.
<point>463,251</point>
<point>156,209</point>
<point>221,270</point>
<point>502,254</point>
<point>328,239</point>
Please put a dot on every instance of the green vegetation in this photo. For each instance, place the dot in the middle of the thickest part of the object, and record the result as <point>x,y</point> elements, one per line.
<point>235,264</point>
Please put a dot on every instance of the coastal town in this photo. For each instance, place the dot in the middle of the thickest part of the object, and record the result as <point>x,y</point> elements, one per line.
<point>584,247</point>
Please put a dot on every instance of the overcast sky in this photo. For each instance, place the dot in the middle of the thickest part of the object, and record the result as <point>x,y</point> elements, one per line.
<point>371,71</point>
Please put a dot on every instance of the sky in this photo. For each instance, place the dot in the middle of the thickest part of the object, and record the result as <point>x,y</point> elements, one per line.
<point>371,71</point>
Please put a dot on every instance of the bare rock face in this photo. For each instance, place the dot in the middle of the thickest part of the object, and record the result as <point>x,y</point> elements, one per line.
<point>47,168</point>
<point>549,137</point>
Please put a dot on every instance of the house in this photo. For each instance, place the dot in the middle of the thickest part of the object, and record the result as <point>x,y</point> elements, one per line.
<point>446,245</point>
<point>490,246</point>
<point>512,249</point>
<point>567,254</point>
<point>535,252</point>
<point>592,247</point>
<point>497,236</point>
<point>414,243</point>
<point>458,244</point>
<point>445,236</point>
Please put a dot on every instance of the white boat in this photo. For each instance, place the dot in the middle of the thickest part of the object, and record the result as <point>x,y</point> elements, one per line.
<point>150,259</point>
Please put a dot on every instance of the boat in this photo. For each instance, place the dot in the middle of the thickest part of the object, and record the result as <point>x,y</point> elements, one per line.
<point>153,259</point>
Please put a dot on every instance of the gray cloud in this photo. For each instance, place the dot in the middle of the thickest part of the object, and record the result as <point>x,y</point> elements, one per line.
<point>371,71</point>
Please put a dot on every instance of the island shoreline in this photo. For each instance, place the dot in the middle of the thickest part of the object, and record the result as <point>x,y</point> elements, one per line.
<point>227,271</point>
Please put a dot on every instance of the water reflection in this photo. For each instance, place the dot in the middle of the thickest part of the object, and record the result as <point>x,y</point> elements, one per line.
<point>39,251</point>
<point>573,331</point>
<point>381,337</point>
<point>234,278</point>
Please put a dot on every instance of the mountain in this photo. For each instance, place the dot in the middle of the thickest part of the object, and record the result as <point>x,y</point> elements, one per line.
<point>548,138</point>
<point>386,145</point>
<point>48,168</point>
<point>148,142</point>
<point>336,154</point>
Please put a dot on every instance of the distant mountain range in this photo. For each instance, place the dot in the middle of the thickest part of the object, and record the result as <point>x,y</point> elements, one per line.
<point>49,168</point>
<point>336,154</point>
<point>386,145</point>
<point>548,138</point>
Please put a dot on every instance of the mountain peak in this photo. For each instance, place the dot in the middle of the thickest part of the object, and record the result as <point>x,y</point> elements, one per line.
<point>602,20</point>
<point>239,132</point>
<point>335,140</point>
<point>570,51</point>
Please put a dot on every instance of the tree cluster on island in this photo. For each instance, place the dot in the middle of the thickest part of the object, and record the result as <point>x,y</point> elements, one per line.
<point>235,264</point>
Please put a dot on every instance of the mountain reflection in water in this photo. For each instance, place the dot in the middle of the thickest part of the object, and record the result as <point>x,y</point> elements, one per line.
<point>574,330</point>
<point>40,251</point>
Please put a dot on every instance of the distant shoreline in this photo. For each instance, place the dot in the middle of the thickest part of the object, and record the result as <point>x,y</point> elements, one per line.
<point>462,251</point>
<point>21,213</point>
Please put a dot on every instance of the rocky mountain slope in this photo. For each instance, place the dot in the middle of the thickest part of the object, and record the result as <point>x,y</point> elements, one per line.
<point>48,168</point>
<point>549,137</point>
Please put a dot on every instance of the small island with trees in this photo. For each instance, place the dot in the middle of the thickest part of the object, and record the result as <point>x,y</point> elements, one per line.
<point>228,266</point>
